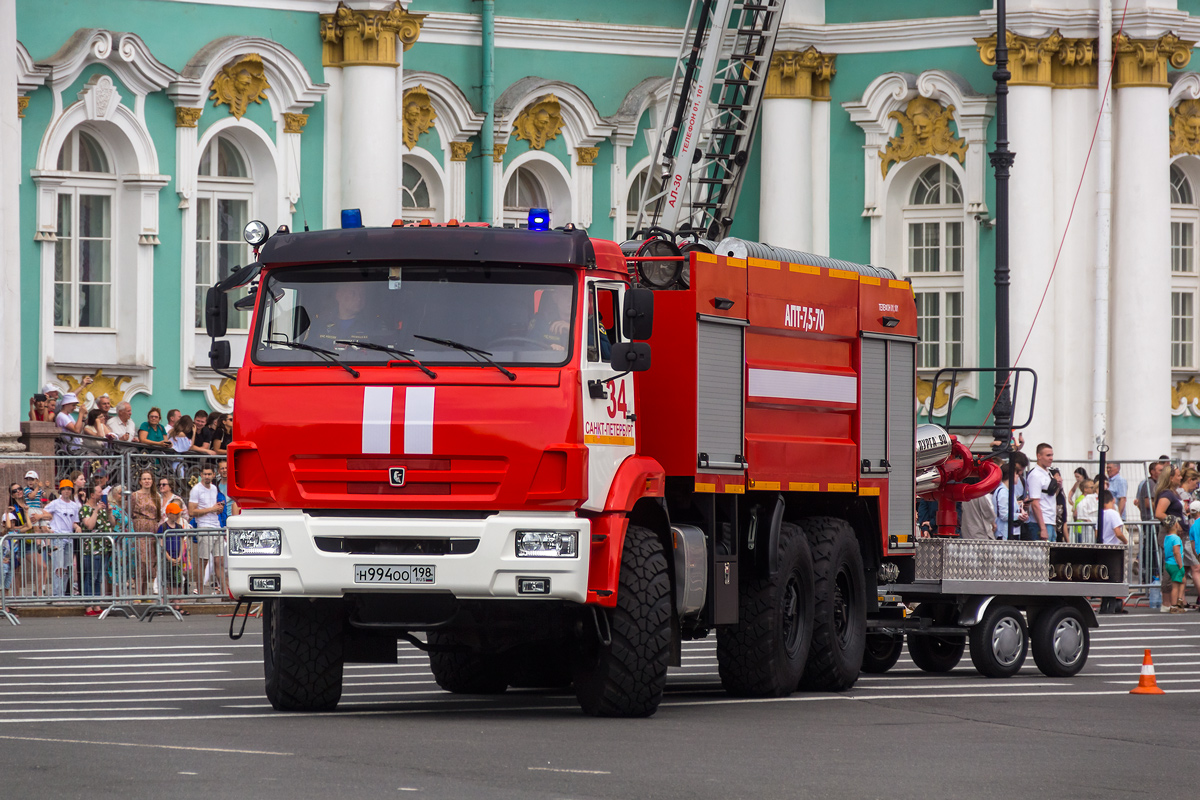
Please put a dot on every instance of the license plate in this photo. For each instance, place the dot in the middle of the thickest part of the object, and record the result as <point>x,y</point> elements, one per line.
<point>365,573</point>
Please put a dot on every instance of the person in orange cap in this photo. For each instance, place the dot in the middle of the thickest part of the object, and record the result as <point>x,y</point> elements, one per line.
<point>175,550</point>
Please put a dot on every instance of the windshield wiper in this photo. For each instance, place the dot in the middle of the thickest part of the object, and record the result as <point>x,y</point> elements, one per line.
<point>328,355</point>
<point>474,352</point>
<point>383,348</point>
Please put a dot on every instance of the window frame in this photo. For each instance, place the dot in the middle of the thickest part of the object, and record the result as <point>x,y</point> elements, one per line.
<point>104,184</point>
<point>213,189</point>
<point>518,216</point>
<point>1185,211</point>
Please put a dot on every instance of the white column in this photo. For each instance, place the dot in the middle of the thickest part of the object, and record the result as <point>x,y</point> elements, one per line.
<point>581,175</point>
<point>820,178</point>
<point>785,216</point>
<point>617,191</point>
<point>456,181</point>
<point>1031,255</point>
<point>371,142</point>
<point>11,411</point>
<point>497,183</point>
<point>332,162</point>
<point>1074,306</point>
<point>1140,419</point>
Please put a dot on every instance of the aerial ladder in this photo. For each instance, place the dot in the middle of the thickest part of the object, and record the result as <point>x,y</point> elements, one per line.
<point>703,147</point>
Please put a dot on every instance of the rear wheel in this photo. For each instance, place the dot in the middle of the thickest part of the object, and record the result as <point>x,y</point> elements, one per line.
<point>882,652</point>
<point>540,665</point>
<point>622,665</point>
<point>462,671</point>
<point>936,652</point>
<point>840,606</point>
<point>999,642</point>
<point>764,654</point>
<point>1060,641</point>
<point>303,653</point>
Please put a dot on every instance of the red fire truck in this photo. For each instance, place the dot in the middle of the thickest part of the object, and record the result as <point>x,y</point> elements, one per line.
<point>548,460</point>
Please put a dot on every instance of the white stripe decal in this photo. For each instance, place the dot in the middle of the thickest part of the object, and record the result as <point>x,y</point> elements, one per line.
<point>377,419</point>
<point>418,419</point>
<point>803,386</point>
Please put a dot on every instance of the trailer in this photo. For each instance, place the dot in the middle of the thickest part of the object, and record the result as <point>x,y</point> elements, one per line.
<point>548,460</point>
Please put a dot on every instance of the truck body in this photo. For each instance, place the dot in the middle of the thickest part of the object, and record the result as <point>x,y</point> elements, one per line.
<point>492,443</point>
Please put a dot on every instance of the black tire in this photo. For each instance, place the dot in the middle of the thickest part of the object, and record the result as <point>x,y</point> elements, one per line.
<point>464,672</point>
<point>999,642</point>
<point>626,677</point>
<point>541,665</point>
<point>303,653</point>
<point>1060,641</point>
<point>765,653</point>
<point>839,607</point>
<point>882,652</point>
<point>935,652</point>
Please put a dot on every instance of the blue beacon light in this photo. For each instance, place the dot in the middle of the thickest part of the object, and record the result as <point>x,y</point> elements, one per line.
<point>539,219</point>
<point>351,218</point>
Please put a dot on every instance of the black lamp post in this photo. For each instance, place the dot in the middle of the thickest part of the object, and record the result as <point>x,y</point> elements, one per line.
<point>1002,160</point>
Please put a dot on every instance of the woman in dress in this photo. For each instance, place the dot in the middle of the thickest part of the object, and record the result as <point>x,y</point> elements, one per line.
<point>145,513</point>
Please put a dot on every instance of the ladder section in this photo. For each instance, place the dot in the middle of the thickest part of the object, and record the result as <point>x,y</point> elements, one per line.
<point>716,91</point>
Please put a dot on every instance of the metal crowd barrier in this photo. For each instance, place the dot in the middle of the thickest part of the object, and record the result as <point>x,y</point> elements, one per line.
<point>140,575</point>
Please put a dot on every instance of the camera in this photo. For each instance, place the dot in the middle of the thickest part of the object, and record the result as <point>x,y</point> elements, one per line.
<point>39,397</point>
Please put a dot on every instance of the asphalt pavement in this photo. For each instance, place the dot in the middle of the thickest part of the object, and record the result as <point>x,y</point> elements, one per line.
<point>168,709</point>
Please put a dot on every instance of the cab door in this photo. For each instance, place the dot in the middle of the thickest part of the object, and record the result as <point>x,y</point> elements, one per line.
<point>608,407</point>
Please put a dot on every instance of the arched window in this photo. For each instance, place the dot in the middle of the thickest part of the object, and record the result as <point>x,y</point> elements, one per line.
<point>224,195</point>
<point>1185,215</point>
<point>634,199</point>
<point>83,249</point>
<point>933,220</point>
<point>415,190</point>
<point>523,192</point>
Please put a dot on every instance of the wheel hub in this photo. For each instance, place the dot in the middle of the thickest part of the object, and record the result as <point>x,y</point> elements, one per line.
<point>792,616</point>
<point>841,608</point>
<point>1068,641</point>
<point>1007,641</point>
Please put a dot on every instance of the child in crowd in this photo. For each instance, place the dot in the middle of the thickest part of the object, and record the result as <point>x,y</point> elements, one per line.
<point>1173,575</point>
<point>1112,531</point>
<point>175,549</point>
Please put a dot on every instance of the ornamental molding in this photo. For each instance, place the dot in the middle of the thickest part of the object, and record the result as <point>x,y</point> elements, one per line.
<point>187,117</point>
<point>294,123</point>
<point>220,395</point>
<point>1029,57</point>
<point>111,385</point>
<point>125,54</point>
<point>292,90</point>
<point>1144,62</point>
<point>29,75</point>
<point>539,122</point>
<point>653,95</point>
<point>22,104</point>
<point>1185,128</point>
<point>498,151</point>
<point>924,131</point>
<point>417,114</point>
<point>454,117</point>
<point>931,401</point>
<point>800,75</point>
<point>581,125</point>
<point>459,151</point>
<point>352,37</point>
<point>586,156</point>
<point>240,83</point>
<point>1074,65</point>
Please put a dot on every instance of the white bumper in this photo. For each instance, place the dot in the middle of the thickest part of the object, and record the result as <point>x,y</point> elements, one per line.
<point>491,571</point>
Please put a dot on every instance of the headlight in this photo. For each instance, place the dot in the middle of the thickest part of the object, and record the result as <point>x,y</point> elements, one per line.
<point>255,233</point>
<point>548,544</point>
<point>255,541</point>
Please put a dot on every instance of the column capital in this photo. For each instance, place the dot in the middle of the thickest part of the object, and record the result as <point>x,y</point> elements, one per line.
<point>1143,62</point>
<point>586,156</point>
<point>187,117</point>
<point>22,104</point>
<point>294,123</point>
<point>498,152</point>
<point>800,75</point>
<point>460,150</point>
<point>351,37</point>
<point>1029,58</point>
<point>1074,65</point>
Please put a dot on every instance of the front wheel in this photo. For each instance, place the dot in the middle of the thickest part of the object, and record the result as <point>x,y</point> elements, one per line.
<point>764,654</point>
<point>303,653</point>
<point>882,652</point>
<point>622,665</point>
<point>1060,642</point>
<point>999,642</point>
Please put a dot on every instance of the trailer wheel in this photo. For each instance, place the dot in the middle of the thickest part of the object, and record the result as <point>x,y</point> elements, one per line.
<point>934,652</point>
<point>1060,641</point>
<point>999,642</point>
<point>303,653</point>
<point>840,606</point>
<point>463,671</point>
<point>625,676</point>
<point>882,652</point>
<point>765,653</point>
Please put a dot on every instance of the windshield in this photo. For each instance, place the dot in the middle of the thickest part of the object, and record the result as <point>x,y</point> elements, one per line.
<point>514,314</point>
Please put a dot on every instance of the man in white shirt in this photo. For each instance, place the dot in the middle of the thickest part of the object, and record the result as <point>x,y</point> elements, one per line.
<point>1042,489</point>
<point>64,521</point>
<point>123,427</point>
<point>204,507</point>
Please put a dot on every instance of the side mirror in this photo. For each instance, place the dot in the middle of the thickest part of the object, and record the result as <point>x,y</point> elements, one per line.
<point>639,315</point>
<point>219,354</point>
<point>630,357</point>
<point>216,312</point>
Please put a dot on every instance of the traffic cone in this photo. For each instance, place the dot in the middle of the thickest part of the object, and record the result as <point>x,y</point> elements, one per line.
<point>1147,684</point>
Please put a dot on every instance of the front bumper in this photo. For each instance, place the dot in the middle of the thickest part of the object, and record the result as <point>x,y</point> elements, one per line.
<point>490,571</point>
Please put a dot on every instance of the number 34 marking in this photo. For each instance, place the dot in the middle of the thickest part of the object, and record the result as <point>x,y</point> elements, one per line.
<point>616,399</point>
